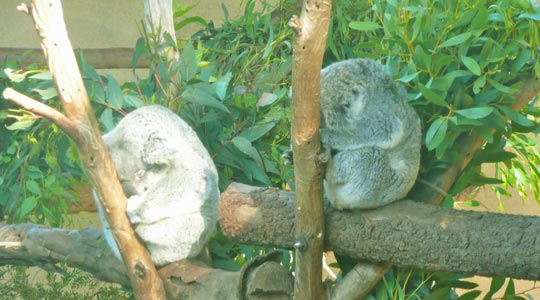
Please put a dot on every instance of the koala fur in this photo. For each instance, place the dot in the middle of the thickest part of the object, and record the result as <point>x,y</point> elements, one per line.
<point>373,134</point>
<point>170,181</point>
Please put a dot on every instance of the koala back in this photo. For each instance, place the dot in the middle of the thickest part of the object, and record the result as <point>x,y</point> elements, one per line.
<point>170,181</point>
<point>374,133</point>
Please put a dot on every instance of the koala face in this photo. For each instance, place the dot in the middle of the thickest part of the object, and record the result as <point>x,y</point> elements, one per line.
<point>135,175</point>
<point>343,96</point>
<point>343,108</point>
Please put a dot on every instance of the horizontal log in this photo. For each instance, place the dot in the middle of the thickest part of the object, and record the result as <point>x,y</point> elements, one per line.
<point>99,58</point>
<point>36,245</point>
<point>405,233</point>
<point>86,249</point>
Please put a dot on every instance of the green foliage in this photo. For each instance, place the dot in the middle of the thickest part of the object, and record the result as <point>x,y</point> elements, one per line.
<point>15,283</point>
<point>461,61</point>
<point>36,158</point>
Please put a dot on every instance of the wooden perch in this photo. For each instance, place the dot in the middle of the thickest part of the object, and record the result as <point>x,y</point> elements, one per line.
<point>36,245</point>
<point>80,123</point>
<point>309,45</point>
<point>406,233</point>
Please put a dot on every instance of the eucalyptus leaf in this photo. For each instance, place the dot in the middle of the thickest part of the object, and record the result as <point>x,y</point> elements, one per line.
<point>515,116</point>
<point>476,112</point>
<point>432,96</point>
<point>188,63</point>
<point>202,97</point>
<point>436,133</point>
<point>46,94</point>
<point>28,204</point>
<point>45,76</point>
<point>244,145</point>
<point>257,131</point>
<point>364,26</point>
<point>33,187</point>
<point>456,40</point>
<point>221,85</point>
<point>472,65</point>
<point>114,94</point>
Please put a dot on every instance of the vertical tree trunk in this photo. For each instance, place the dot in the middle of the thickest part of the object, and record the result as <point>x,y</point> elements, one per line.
<point>159,14</point>
<point>311,30</point>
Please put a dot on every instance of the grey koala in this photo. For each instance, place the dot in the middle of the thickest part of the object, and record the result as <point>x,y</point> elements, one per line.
<point>373,135</point>
<point>170,181</point>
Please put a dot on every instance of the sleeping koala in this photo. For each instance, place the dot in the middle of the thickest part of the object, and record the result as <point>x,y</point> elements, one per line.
<point>170,181</point>
<point>372,132</point>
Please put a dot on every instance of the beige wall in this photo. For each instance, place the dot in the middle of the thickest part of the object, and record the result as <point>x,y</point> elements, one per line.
<point>100,24</point>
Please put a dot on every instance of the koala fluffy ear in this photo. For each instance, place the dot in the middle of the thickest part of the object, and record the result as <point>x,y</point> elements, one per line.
<point>157,150</point>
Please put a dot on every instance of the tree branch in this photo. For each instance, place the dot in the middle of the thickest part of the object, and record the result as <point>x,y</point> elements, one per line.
<point>36,245</point>
<point>42,110</point>
<point>309,44</point>
<point>406,233</point>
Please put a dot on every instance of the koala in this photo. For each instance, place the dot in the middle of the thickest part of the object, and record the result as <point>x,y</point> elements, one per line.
<point>170,181</point>
<point>372,134</point>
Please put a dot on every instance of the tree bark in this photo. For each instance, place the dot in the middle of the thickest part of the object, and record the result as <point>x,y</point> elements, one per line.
<point>36,245</point>
<point>406,233</point>
<point>309,44</point>
<point>80,124</point>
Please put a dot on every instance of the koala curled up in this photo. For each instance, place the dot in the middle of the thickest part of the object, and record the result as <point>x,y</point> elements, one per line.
<point>372,133</point>
<point>170,181</point>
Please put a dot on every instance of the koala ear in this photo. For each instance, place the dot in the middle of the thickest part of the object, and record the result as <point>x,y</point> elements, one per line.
<point>157,150</point>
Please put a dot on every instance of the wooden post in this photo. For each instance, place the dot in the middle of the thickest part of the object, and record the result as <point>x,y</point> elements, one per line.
<point>309,44</point>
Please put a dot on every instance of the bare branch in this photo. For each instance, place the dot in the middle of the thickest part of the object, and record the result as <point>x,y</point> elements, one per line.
<point>42,110</point>
<point>309,45</point>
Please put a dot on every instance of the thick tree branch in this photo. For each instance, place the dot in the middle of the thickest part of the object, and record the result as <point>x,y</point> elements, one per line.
<point>36,245</point>
<point>309,44</point>
<point>406,233</point>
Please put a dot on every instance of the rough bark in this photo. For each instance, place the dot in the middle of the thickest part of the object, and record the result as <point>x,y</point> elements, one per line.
<point>406,233</point>
<point>309,44</point>
<point>80,124</point>
<point>35,245</point>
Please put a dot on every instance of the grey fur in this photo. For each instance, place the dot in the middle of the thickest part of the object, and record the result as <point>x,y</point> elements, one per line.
<point>372,132</point>
<point>170,181</point>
